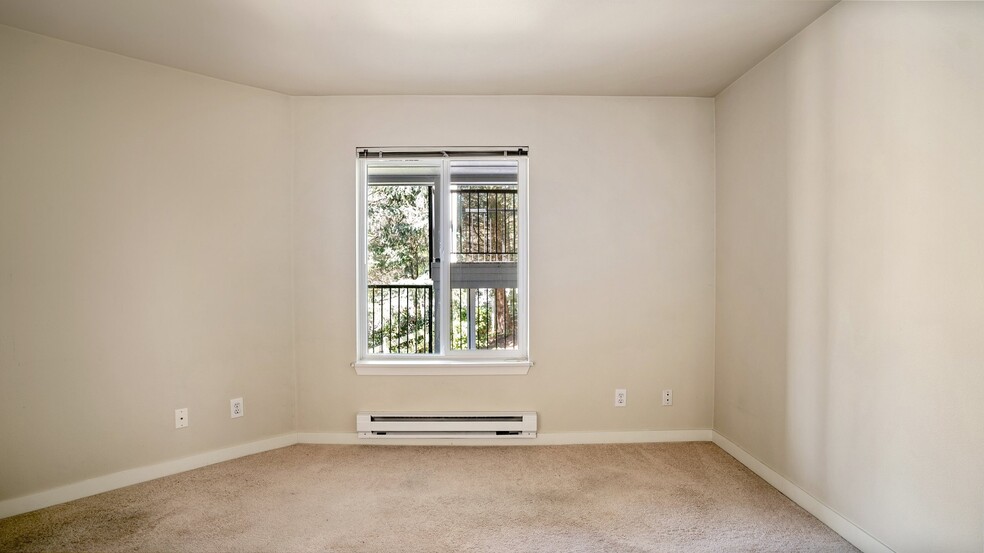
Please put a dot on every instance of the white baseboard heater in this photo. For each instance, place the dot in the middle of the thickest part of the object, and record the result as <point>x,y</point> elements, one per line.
<point>507,424</point>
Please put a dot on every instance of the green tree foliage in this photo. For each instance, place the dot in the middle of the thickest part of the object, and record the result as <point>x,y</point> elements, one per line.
<point>398,233</point>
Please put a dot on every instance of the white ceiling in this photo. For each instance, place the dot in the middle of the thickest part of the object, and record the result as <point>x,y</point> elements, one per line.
<point>317,47</point>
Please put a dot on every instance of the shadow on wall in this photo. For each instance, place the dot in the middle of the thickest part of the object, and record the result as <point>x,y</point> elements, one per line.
<point>850,216</point>
<point>808,118</point>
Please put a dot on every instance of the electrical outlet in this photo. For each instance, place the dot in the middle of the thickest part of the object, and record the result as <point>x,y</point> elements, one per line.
<point>667,397</point>
<point>620,397</point>
<point>181,418</point>
<point>236,407</point>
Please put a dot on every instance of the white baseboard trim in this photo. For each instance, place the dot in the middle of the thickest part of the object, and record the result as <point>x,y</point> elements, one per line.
<point>542,438</point>
<point>100,484</point>
<point>639,436</point>
<point>331,438</point>
<point>847,529</point>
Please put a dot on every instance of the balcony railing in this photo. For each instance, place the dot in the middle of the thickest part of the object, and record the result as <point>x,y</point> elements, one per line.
<point>400,318</point>
<point>483,318</point>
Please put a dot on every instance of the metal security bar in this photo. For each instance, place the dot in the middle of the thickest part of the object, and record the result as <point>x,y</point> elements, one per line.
<point>487,224</point>
<point>400,318</point>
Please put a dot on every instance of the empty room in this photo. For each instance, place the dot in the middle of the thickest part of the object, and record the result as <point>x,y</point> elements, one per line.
<point>491,276</point>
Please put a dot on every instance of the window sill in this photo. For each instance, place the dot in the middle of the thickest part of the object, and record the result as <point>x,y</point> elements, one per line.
<point>441,368</point>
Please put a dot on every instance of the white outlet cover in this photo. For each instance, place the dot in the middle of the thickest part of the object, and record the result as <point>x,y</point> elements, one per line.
<point>236,407</point>
<point>621,398</point>
<point>667,397</point>
<point>181,417</point>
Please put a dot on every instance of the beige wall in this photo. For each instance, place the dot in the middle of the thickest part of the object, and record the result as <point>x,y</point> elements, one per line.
<point>621,270</point>
<point>850,268</point>
<point>144,263</point>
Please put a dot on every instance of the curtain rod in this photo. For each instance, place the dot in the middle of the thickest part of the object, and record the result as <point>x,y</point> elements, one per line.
<point>491,151</point>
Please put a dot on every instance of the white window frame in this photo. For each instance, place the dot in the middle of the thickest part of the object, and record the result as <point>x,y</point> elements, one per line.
<point>447,362</point>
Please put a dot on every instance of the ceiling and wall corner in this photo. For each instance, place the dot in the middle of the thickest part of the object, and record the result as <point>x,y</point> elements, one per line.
<point>431,47</point>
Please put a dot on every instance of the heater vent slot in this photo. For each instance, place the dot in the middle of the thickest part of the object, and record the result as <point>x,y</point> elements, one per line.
<point>411,418</point>
<point>521,424</point>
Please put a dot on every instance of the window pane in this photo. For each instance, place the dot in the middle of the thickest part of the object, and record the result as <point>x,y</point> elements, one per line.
<point>484,318</point>
<point>442,256</point>
<point>400,295</point>
<point>485,239</point>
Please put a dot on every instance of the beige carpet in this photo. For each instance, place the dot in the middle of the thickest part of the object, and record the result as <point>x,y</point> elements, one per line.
<point>627,497</point>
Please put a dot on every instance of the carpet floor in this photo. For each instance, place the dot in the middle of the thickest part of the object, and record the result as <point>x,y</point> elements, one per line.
<point>580,498</point>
